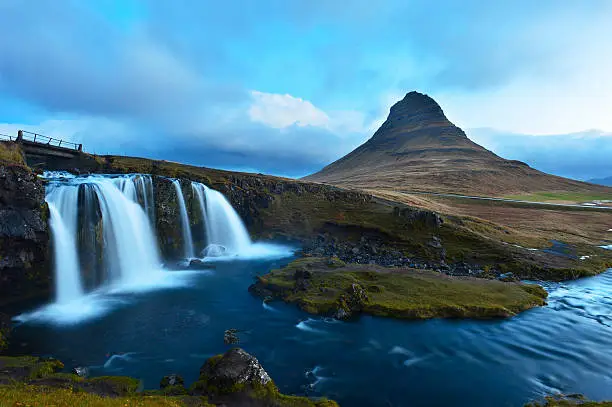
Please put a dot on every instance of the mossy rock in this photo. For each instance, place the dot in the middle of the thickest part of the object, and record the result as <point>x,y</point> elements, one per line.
<point>25,368</point>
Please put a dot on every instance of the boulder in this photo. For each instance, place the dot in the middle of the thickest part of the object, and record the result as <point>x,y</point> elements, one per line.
<point>171,380</point>
<point>231,372</point>
<point>81,371</point>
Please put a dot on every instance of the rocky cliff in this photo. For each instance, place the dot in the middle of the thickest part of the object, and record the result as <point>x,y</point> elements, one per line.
<point>24,236</point>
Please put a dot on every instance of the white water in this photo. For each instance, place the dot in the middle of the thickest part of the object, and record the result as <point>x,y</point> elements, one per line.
<point>124,205</point>
<point>198,192</point>
<point>185,226</point>
<point>132,254</point>
<point>224,227</point>
<point>64,230</point>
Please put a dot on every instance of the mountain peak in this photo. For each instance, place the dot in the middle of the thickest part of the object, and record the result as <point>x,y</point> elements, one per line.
<point>416,105</point>
<point>416,111</point>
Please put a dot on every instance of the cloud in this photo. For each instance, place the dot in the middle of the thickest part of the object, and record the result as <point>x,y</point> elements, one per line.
<point>288,87</point>
<point>580,156</point>
<point>279,111</point>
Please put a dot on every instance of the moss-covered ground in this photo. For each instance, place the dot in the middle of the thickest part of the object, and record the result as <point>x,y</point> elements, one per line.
<point>396,292</point>
<point>569,401</point>
<point>34,381</point>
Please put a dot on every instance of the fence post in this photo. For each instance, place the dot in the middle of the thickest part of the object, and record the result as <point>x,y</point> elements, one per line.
<point>19,135</point>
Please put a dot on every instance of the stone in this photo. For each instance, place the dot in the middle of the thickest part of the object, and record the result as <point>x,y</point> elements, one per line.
<point>81,371</point>
<point>228,372</point>
<point>230,337</point>
<point>171,380</point>
<point>508,277</point>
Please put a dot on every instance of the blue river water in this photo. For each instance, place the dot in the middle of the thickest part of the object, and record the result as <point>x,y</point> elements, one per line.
<point>563,347</point>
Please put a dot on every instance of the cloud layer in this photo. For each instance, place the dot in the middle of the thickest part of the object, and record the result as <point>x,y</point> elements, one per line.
<point>287,87</point>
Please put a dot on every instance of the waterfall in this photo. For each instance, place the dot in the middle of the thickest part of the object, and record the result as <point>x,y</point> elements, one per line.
<point>198,192</point>
<point>132,251</point>
<point>144,190</point>
<point>130,254</point>
<point>185,226</point>
<point>63,207</point>
<point>225,231</point>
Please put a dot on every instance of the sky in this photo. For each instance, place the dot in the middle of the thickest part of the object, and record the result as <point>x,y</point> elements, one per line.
<point>286,87</point>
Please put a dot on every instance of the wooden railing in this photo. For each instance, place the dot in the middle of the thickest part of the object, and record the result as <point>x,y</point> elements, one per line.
<point>23,135</point>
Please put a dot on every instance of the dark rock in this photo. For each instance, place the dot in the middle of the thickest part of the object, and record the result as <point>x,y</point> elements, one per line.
<point>201,265</point>
<point>508,277</point>
<point>24,237</point>
<point>302,273</point>
<point>230,372</point>
<point>81,371</point>
<point>435,242</point>
<point>230,337</point>
<point>171,380</point>
<point>5,330</point>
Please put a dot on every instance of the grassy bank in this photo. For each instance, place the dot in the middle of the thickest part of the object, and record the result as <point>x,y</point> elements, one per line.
<point>33,381</point>
<point>567,197</point>
<point>327,286</point>
<point>11,153</point>
<point>569,401</point>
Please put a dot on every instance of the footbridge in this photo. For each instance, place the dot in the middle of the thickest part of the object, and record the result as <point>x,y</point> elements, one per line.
<point>40,149</point>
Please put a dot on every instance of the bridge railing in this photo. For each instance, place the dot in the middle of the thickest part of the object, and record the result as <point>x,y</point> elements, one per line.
<point>39,138</point>
<point>7,137</point>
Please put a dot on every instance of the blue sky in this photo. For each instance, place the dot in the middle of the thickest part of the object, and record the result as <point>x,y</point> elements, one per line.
<point>286,87</point>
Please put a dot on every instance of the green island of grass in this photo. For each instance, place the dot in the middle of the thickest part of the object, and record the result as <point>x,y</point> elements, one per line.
<point>327,286</point>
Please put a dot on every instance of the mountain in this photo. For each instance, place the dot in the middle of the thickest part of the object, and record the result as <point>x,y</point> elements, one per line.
<point>602,181</point>
<point>418,149</point>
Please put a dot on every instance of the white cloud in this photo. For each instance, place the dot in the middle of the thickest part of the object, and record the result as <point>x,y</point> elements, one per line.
<point>280,111</point>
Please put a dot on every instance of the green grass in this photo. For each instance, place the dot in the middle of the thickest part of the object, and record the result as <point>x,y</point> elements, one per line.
<point>40,396</point>
<point>569,401</point>
<point>11,153</point>
<point>400,293</point>
<point>560,196</point>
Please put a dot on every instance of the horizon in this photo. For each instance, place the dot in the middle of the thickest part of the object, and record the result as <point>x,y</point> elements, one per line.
<point>294,88</point>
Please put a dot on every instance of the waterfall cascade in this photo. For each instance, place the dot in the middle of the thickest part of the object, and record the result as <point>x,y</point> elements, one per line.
<point>64,217</point>
<point>103,231</point>
<point>225,232</point>
<point>185,226</point>
<point>107,211</point>
<point>104,241</point>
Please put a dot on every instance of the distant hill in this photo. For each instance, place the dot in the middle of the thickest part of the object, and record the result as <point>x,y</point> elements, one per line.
<point>418,149</point>
<point>602,181</point>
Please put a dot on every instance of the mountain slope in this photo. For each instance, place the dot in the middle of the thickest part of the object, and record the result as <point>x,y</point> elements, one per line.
<point>418,149</point>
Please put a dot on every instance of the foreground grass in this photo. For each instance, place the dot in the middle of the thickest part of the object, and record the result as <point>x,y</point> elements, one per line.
<point>28,395</point>
<point>570,197</point>
<point>397,293</point>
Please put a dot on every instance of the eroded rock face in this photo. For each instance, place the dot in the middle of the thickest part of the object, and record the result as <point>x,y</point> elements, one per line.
<point>229,372</point>
<point>24,236</point>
